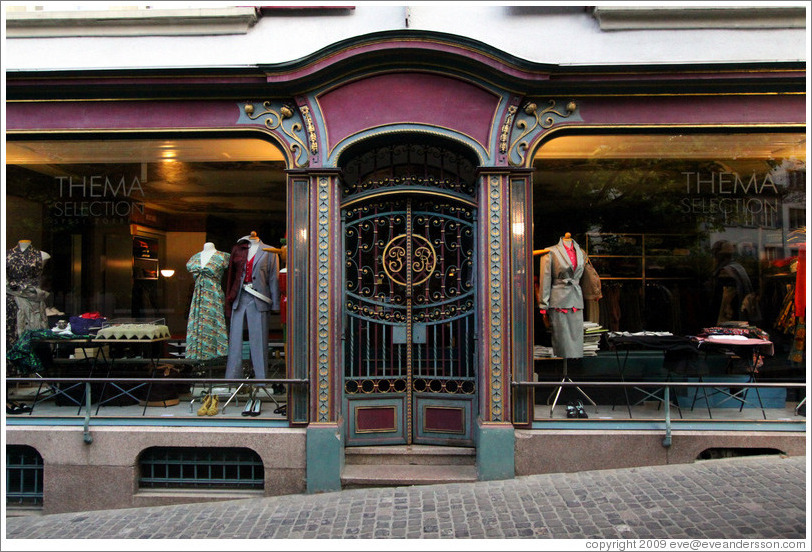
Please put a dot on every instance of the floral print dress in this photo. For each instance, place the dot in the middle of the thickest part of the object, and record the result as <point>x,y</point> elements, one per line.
<point>25,301</point>
<point>206,335</point>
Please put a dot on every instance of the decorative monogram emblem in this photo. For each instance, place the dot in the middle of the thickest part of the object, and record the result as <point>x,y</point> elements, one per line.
<point>423,261</point>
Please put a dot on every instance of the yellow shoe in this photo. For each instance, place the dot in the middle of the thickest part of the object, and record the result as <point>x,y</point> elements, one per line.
<point>213,405</point>
<point>204,406</point>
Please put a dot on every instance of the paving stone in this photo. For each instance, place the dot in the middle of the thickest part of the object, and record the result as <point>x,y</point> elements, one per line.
<point>751,497</point>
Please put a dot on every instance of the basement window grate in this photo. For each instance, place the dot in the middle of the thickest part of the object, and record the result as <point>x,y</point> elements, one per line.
<point>23,477</point>
<point>201,468</point>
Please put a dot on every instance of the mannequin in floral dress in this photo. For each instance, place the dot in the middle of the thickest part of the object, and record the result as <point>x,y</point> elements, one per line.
<point>206,335</point>
<point>25,300</point>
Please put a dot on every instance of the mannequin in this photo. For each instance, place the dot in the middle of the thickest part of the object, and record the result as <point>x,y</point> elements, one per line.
<point>206,254</point>
<point>561,298</point>
<point>24,245</point>
<point>206,335</point>
<point>252,292</point>
<point>25,300</point>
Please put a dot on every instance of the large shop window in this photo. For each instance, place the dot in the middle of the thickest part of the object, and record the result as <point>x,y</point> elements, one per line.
<point>687,231</point>
<point>119,219</point>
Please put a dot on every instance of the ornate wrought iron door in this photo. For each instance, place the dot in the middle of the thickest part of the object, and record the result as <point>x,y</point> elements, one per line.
<point>409,339</point>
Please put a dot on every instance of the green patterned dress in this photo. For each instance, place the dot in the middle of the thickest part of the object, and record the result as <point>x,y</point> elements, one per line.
<point>206,335</point>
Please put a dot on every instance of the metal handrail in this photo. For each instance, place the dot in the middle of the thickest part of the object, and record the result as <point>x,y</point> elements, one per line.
<point>650,383</point>
<point>159,380</point>
<point>87,381</point>
<point>665,385</point>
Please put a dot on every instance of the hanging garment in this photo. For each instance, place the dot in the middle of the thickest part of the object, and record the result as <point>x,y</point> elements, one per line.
<point>25,301</point>
<point>561,296</point>
<point>591,286</point>
<point>206,335</point>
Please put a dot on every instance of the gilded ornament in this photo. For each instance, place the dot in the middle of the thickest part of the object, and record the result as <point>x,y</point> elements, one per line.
<point>273,121</point>
<point>541,119</point>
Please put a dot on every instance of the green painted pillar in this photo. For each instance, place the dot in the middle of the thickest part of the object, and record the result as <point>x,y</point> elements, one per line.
<point>495,456</point>
<point>325,457</point>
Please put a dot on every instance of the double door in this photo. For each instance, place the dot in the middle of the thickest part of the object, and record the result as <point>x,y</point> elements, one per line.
<point>409,321</point>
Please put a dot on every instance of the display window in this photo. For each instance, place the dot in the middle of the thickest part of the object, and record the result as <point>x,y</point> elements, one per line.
<point>121,220</point>
<point>687,232</point>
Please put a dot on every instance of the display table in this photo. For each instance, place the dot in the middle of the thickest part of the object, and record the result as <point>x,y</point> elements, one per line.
<point>90,356</point>
<point>149,356</point>
<point>666,343</point>
<point>752,350</point>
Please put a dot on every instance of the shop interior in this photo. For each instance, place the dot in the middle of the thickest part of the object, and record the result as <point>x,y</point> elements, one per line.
<point>122,217</point>
<point>660,216</point>
<point>656,214</point>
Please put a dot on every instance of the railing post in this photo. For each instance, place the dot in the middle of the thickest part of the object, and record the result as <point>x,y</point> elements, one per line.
<point>667,402</point>
<point>88,438</point>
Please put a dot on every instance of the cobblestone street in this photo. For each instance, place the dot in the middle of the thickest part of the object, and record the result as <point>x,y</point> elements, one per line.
<point>759,497</point>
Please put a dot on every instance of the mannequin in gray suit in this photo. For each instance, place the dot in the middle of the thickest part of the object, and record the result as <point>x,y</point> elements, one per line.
<point>560,296</point>
<point>252,293</point>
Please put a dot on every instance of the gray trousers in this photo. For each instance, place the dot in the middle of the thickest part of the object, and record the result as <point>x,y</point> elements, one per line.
<point>257,337</point>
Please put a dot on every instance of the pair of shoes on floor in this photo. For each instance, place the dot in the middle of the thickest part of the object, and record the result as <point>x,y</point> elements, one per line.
<point>252,408</point>
<point>17,408</point>
<point>282,409</point>
<point>576,410</point>
<point>208,406</point>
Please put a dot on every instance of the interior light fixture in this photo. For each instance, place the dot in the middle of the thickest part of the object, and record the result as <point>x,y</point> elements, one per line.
<point>167,272</point>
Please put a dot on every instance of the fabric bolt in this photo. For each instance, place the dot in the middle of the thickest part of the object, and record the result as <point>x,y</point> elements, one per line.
<point>206,334</point>
<point>25,301</point>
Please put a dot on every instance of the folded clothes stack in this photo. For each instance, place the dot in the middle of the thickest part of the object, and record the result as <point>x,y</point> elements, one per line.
<point>540,351</point>
<point>592,337</point>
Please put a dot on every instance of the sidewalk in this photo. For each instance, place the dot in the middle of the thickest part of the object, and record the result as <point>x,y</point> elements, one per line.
<point>749,497</point>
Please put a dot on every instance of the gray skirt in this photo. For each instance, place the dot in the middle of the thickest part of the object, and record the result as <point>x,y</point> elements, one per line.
<point>568,333</point>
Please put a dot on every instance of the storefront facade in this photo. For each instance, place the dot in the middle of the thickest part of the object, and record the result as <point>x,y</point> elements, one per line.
<point>411,176</point>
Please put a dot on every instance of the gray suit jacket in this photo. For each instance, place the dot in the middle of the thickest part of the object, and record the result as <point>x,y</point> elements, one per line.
<point>559,281</point>
<point>265,279</point>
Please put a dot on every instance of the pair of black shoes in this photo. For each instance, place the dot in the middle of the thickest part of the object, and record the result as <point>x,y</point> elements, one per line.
<point>576,410</point>
<point>17,408</point>
<point>252,408</point>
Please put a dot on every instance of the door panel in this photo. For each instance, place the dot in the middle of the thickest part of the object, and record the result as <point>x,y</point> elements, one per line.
<point>409,320</point>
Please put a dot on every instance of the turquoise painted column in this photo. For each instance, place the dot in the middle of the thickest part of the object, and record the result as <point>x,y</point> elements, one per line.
<point>495,434</point>
<point>298,329</point>
<point>325,441</point>
<point>521,271</point>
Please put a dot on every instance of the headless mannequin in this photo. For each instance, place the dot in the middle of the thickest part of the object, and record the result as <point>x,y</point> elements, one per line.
<point>253,240</point>
<point>206,254</point>
<point>24,245</point>
<point>250,302</point>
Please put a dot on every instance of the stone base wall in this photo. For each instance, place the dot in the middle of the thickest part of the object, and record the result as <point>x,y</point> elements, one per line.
<point>104,474</point>
<point>560,451</point>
